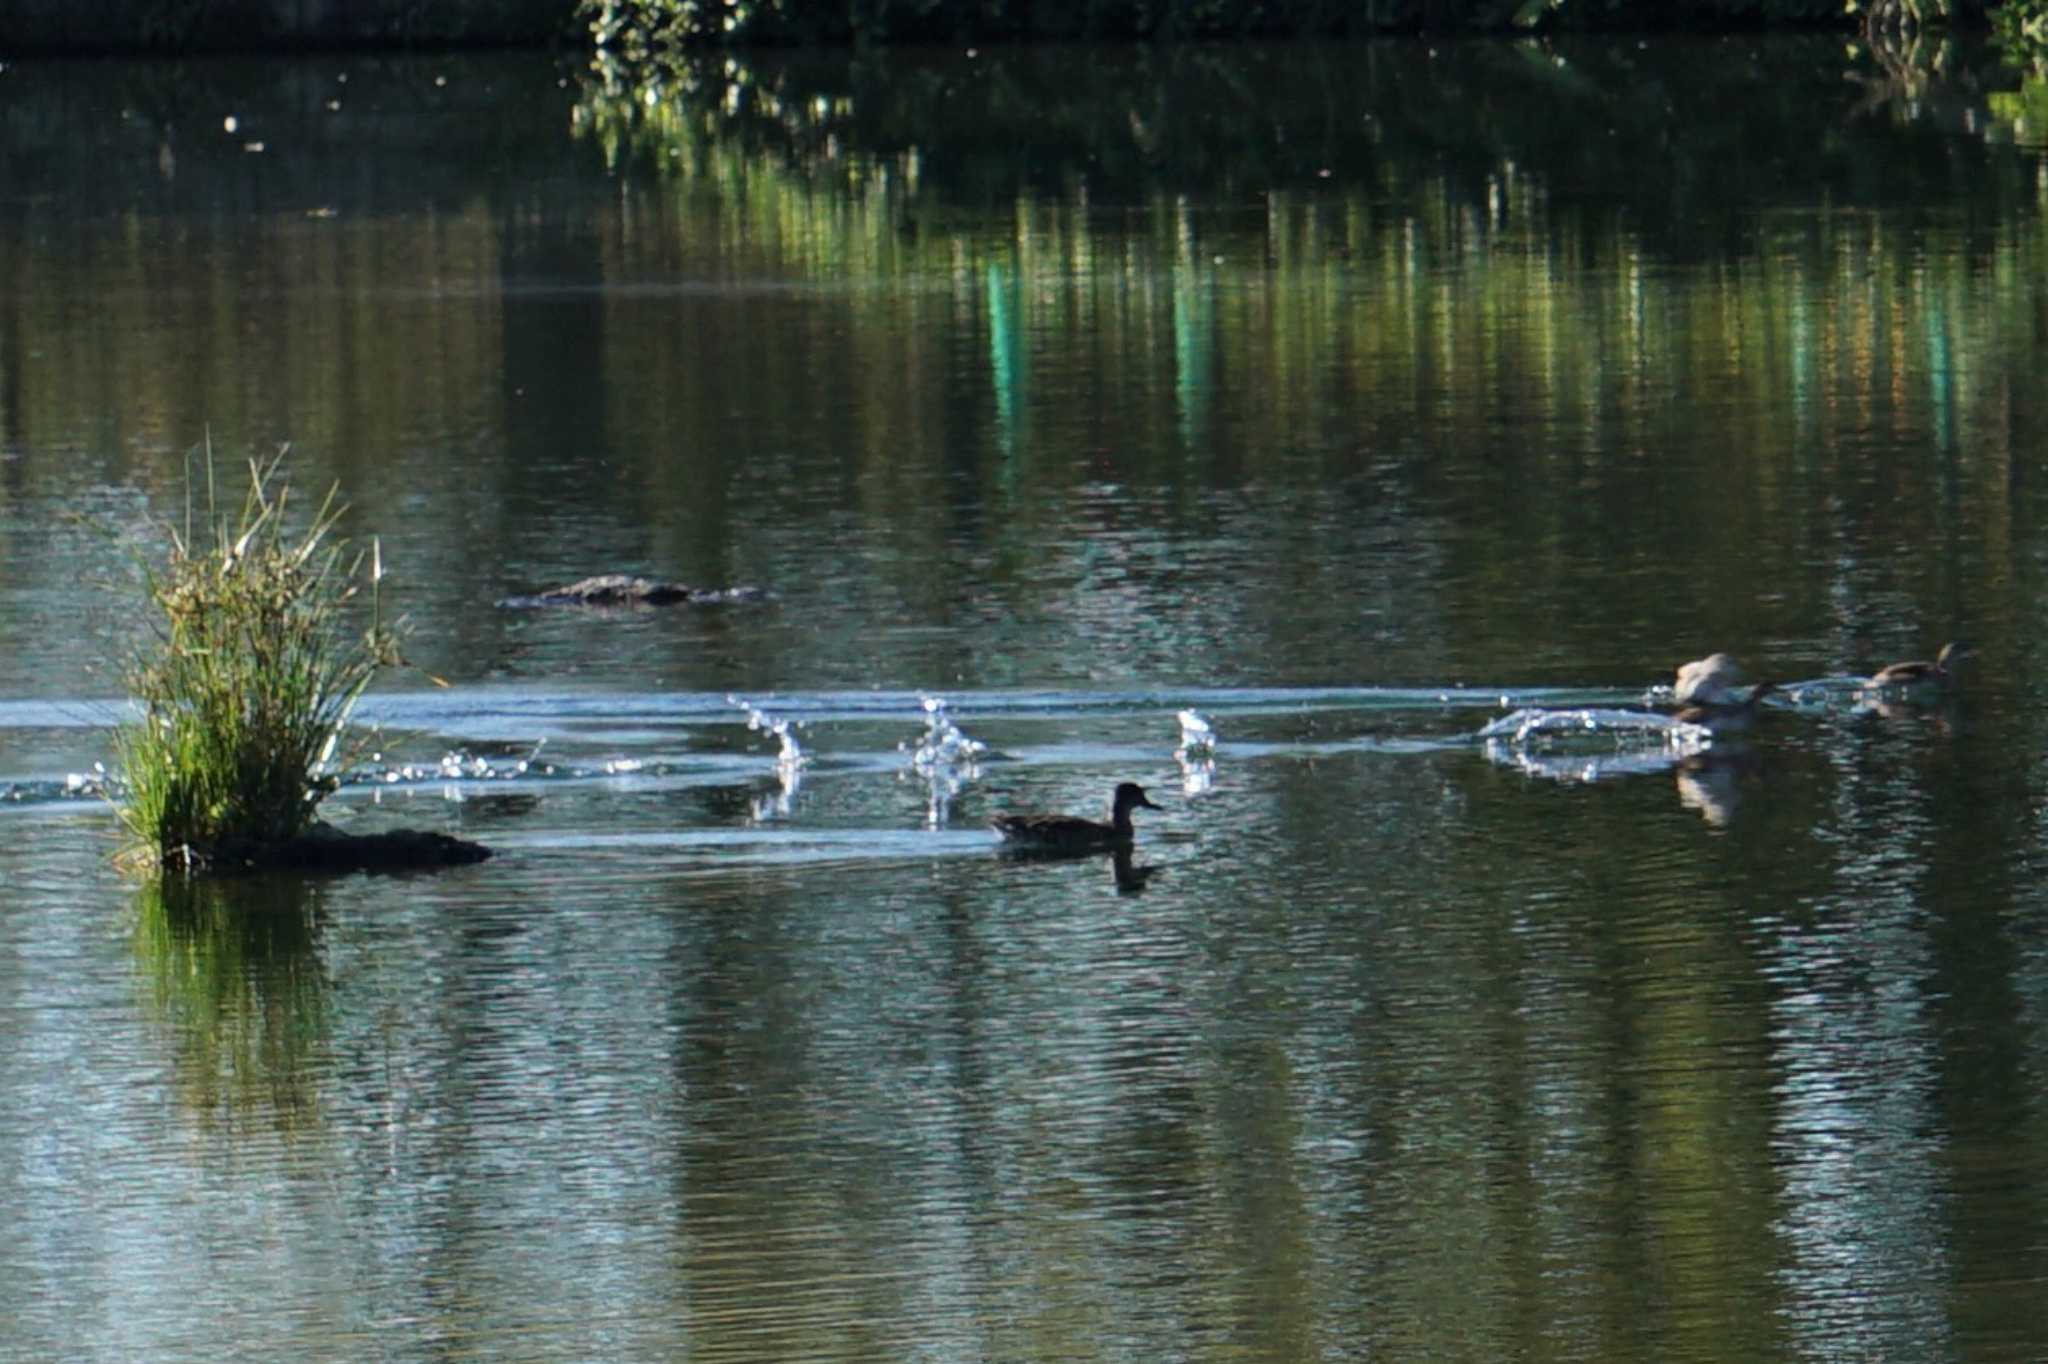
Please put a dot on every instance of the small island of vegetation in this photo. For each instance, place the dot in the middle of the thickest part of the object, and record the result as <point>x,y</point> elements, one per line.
<point>246,691</point>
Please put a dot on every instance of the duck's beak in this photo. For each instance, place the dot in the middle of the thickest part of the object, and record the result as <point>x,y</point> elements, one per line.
<point>1146,801</point>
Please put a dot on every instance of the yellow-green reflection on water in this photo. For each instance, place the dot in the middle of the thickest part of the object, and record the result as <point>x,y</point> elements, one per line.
<point>233,974</point>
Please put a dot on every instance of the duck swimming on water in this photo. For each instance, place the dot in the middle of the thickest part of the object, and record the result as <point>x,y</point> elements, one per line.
<point>1920,672</point>
<point>1727,714</point>
<point>1709,681</point>
<point>1071,833</point>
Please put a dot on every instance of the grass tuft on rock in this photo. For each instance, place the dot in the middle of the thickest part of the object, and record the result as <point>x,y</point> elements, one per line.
<point>246,691</point>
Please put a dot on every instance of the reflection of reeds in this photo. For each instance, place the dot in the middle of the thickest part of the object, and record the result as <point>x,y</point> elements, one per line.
<point>252,679</point>
<point>232,971</point>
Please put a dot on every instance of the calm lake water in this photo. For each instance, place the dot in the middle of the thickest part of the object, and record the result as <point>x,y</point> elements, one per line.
<point>1353,399</point>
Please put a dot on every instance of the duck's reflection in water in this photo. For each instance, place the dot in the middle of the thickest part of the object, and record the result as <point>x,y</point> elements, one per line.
<point>1130,876</point>
<point>1711,781</point>
<point>1127,874</point>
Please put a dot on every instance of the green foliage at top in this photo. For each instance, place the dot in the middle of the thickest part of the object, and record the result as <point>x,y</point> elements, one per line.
<point>634,27</point>
<point>637,26</point>
<point>2025,110</point>
<point>248,688</point>
<point>2022,28</point>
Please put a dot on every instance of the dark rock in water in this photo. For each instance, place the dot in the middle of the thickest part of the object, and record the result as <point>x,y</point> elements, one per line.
<point>324,848</point>
<point>621,589</point>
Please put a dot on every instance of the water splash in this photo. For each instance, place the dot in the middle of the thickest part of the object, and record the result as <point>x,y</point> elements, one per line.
<point>943,742</point>
<point>1196,754</point>
<point>455,765</point>
<point>1618,727</point>
<point>791,755</point>
<point>374,774</point>
<point>945,757</point>
<point>94,783</point>
<point>97,784</point>
<point>1594,744</point>
<point>789,762</point>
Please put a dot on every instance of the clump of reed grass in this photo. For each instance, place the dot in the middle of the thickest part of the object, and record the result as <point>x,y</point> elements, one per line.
<point>246,691</point>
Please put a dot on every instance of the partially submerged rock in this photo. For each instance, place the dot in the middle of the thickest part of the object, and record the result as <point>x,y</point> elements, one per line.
<point>623,589</point>
<point>324,848</point>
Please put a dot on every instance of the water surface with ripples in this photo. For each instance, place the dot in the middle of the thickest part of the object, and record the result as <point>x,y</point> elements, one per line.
<point>1345,443</point>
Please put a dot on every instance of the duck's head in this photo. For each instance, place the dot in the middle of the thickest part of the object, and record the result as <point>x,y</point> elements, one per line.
<point>1129,796</point>
<point>1952,653</point>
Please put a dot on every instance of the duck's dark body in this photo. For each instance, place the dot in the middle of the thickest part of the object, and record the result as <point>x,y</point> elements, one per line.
<point>1071,833</point>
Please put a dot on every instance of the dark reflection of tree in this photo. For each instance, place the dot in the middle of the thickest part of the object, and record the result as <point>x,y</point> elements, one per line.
<point>233,971</point>
<point>1985,1101</point>
<point>552,385</point>
<point>13,421</point>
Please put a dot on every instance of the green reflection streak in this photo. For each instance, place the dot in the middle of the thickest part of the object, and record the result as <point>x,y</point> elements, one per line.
<point>1940,377</point>
<point>1007,357</point>
<point>231,971</point>
<point>1194,338</point>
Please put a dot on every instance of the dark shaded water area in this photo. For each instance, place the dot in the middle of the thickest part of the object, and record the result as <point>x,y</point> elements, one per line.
<point>1353,399</point>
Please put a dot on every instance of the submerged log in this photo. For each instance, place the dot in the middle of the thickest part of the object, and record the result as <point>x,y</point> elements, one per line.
<point>623,589</point>
<point>324,848</point>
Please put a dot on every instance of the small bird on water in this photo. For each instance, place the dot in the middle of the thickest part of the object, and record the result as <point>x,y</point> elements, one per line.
<point>1727,714</point>
<point>1071,833</point>
<point>1919,672</point>
<point>1709,681</point>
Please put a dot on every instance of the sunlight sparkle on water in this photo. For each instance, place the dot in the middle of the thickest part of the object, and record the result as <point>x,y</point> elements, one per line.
<point>1195,731</point>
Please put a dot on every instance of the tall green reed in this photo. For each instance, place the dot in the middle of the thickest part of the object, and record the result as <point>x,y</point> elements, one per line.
<point>246,691</point>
